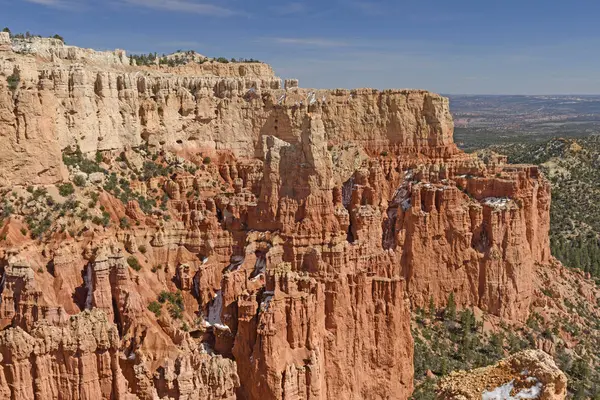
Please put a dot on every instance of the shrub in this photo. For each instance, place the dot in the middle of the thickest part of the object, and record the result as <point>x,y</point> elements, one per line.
<point>85,216</point>
<point>57,36</point>
<point>175,301</point>
<point>105,219</point>
<point>450,312</point>
<point>79,180</point>
<point>38,229</point>
<point>134,263</point>
<point>155,307</point>
<point>77,159</point>
<point>7,209</point>
<point>13,81</point>
<point>146,204</point>
<point>142,249</point>
<point>206,160</point>
<point>39,192</point>
<point>23,231</point>
<point>124,223</point>
<point>176,312</point>
<point>66,189</point>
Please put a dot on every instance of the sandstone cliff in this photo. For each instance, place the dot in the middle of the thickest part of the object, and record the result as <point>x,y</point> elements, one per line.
<point>235,238</point>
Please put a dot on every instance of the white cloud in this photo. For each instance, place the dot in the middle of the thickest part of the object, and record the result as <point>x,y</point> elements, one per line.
<point>50,3</point>
<point>183,6</point>
<point>187,6</point>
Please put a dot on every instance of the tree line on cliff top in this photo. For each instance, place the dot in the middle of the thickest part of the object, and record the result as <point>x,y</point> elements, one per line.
<point>28,35</point>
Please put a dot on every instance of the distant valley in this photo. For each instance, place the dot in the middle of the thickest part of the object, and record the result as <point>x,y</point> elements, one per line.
<point>483,120</point>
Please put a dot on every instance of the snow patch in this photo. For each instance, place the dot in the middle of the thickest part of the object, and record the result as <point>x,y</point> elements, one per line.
<point>221,327</point>
<point>504,392</point>
<point>264,305</point>
<point>497,202</point>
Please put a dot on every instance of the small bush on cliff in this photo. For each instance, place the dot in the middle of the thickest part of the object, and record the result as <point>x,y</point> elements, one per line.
<point>7,210</point>
<point>156,308</point>
<point>206,160</point>
<point>66,189</point>
<point>38,228</point>
<point>13,81</point>
<point>103,221</point>
<point>175,301</point>
<point>77,159</point>
<point>134,263</point>
<point>152,169</point>
<point>146,204</point>
<point>79,180</point>
<point>124,223</point>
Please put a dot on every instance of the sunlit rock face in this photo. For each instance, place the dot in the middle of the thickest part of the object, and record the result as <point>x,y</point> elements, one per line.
<point>291,256</point>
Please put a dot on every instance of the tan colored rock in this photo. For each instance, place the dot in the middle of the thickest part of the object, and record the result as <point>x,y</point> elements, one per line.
<point>292,256</point>
<point>87,368</point>
<point>532,371</point>
<point>5,42</point>
<point>100,104</point>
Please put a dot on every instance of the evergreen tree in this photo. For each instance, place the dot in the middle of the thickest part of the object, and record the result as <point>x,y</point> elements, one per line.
<point>432,310</point>
<point>450,312</point>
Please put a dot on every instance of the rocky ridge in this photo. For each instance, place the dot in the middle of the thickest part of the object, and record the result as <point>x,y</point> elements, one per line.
<point>527,375</point>
<point>296,229</point>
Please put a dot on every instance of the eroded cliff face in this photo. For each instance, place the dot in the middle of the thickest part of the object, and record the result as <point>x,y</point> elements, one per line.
<point>280,235</point>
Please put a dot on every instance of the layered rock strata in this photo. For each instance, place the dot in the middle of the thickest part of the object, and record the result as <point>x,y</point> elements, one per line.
<point>302,227</point>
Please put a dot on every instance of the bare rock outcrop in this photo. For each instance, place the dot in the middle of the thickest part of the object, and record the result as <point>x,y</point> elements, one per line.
<point>530,374</point>
<point>249,241</point>
<point>79,360</point>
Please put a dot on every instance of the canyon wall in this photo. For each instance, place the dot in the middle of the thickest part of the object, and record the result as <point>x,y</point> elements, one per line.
<point>299,228</point>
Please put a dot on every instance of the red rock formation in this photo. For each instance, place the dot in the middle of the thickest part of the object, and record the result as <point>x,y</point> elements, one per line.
<point>296,228</point>
<point>77,360</point>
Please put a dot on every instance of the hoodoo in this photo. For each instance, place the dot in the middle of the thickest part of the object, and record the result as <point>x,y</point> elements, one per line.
<point>228,236</point>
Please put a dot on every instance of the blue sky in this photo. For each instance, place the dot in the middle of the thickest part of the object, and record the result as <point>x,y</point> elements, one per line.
<point>458,46</point>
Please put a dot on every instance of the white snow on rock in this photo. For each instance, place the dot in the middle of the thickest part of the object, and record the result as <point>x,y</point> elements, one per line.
<point>504,392</point>
<point>497,202</point>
